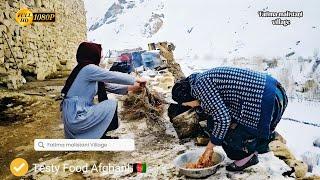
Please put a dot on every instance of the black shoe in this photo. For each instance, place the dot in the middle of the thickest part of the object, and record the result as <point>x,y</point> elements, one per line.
<point>233,167</point>
<point>109,137</point>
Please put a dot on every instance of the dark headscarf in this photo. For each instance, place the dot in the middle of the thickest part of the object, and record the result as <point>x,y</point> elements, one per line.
<point>87,53</point>
<point>181,91</point>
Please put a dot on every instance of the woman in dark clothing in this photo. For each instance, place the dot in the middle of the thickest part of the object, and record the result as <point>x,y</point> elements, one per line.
<point>243,106</point>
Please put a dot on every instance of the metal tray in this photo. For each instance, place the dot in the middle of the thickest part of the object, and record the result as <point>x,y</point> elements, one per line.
<point>192,156</point>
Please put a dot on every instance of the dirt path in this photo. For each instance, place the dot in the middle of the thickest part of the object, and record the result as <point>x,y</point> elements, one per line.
<point>28,117</point>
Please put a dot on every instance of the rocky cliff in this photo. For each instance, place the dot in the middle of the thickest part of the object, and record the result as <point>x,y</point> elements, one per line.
<point>40,50</point>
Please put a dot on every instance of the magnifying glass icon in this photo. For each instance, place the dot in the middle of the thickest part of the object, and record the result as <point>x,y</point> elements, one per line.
<point>40,144</point>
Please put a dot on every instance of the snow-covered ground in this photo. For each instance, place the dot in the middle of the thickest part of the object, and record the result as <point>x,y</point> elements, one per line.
<point>215,33</point>
<point>300,136</point>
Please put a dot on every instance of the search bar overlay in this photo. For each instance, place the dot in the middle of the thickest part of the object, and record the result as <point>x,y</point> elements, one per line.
<point>84,145</point>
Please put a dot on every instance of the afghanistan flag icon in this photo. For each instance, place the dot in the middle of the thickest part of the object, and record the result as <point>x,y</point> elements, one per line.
<point>139,167</point>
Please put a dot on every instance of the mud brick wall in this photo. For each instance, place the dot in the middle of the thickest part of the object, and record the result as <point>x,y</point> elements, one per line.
<point>41,50</point>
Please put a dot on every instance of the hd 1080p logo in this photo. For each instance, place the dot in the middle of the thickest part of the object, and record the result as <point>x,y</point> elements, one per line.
<point>25,17</point>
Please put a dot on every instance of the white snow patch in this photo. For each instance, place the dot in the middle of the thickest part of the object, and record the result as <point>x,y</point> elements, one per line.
<point>299,136</point>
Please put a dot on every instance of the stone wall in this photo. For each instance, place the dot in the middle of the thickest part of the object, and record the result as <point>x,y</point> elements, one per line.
<point>41,50</point>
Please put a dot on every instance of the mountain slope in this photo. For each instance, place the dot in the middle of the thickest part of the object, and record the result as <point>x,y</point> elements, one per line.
<point>208,28</point>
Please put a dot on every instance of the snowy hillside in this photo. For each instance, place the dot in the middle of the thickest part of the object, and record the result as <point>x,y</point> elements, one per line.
<point>208,28</point>
<point>214,33</point>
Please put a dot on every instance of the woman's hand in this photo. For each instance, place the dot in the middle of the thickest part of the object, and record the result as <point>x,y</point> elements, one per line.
<point>135,88</point>
<point>206,158</point>
<point>142,82</point>
<point>138,85</point>
<point>194,103</point>
<point>210,146</point>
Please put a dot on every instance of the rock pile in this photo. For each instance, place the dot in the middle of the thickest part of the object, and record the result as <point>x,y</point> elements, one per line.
<point>281,150</point>
<point>41,50</point>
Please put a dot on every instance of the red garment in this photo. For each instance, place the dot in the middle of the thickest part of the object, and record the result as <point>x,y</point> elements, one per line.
<point>125,57</point>
<point>89,53</point>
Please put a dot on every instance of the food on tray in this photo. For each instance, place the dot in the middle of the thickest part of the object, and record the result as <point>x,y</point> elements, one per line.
<point>203,162</point>
<point>199,165</point>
